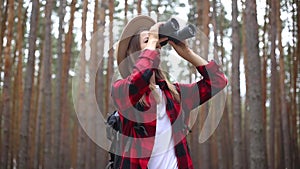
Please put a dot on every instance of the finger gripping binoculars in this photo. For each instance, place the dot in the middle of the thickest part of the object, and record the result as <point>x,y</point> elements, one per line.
<point>171,30</point>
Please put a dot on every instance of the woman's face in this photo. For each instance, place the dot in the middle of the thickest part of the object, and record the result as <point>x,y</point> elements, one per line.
<point>144,36</point>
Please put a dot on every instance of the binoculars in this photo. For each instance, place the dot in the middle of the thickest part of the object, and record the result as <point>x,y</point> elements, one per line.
<point>171,30</point>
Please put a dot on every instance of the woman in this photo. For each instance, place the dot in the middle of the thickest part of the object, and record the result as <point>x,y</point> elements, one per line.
<point>154,112</point>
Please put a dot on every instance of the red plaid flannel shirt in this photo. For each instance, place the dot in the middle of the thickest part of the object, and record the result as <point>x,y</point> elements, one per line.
<point>126,94</point>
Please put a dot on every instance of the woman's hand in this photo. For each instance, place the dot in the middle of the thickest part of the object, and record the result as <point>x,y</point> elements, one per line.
<point>154,41</point>
<point>182,49</point>
<point>185,52</point>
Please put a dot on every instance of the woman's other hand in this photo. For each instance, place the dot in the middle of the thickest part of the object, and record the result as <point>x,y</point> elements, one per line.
<point>185,52</point>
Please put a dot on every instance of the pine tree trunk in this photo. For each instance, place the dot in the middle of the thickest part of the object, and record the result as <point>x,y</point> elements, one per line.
<point>283,95</point>
<point>218,145</point>
<point>203,21</point>
<point>65,147</point>
<point>274,80</point>
<point>297,74</point>
<point>256,136</point>
<point>126,11</point>
<point>82,152</point>
<point>47,92</point>
<point>58,93</point>
<point>246,112</point>
<point>235,87</point>
<point>264,82</point>
<point>3,27</point>
<point>2,30</point>
<point>149,5</point>
<point>39,120</point>
<point>139,6</point>
<point>101,154</point>
<point>110,61</point>
<point>18,85</point>
<point>6,92</point>
<point>278,152</point>
<point>28,84</point>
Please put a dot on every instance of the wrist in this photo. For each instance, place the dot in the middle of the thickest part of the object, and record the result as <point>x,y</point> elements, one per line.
<point>188,53</point>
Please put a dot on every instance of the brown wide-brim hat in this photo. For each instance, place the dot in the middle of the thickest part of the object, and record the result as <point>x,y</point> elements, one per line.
<point>131,28</point>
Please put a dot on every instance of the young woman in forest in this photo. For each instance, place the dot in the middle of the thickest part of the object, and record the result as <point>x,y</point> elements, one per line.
<point>154,112</point>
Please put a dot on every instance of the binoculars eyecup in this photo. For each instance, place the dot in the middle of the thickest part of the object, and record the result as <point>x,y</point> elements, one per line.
<point>171,30</point>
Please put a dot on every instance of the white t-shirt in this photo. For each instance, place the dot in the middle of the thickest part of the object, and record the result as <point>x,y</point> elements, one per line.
<point>163,153</point>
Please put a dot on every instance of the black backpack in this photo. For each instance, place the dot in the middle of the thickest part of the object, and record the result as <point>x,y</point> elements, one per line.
<point>113,129</point>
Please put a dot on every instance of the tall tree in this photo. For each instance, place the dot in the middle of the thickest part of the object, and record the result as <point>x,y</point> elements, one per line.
<point>36,124</point>
<point>110,55</point>
<point>18,83</point>
<point>81,144</point>
<point>257,159</point>
<point>28,84</point>
<point>274,80</point>
<point>100,16</point>
<point>6,93</point>
<point>283,95</point>
<point>264,71</point>
<point>58,91</point>
<point>235,87</point>
<point>3,17</point>
<point>126,12</point>
<point>246,112</point>
<point>296,69</point>
<point>65,114</point>
<point>204,11</point>
<point>219,146</point>
<point>139,6</point>
<point>47,92</point>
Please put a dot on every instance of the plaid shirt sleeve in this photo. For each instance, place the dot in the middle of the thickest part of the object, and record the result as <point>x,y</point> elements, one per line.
<point>127,92</point>
<point>194,94</point>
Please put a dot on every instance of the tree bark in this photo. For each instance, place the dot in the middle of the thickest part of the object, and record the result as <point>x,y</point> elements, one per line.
<point>246,112</point>
<point>139,7</point>
<point>203,21</point>
<point>82,152</point>
<point>101,158</point>
<point>274,80</point>
<point>47,92</point>
<point>3,18</point>
<point>28,84</point>
<point>264,65</point>
<point>283,95</point>
<point>126,11</point>
<point>256,136</point>
<point>39,120</point>
<point>58,91</point>
<point>65,147</point>
<point>110,61</point>
<point>296,70</point>
<point>6,93</point>
<point>236,99</point>
<point>149,6</point>
<point>220,162</point>
<point>18,85</point>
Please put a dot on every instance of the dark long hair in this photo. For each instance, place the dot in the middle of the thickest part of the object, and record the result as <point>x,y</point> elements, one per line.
<point>133,51</point>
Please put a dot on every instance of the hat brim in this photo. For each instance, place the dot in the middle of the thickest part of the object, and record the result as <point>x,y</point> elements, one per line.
<point>131,28</point>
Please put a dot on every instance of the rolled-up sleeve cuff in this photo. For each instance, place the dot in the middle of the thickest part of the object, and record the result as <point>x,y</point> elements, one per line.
<point>208,69</point>
<point>152,55</point>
